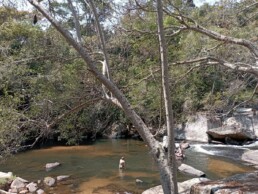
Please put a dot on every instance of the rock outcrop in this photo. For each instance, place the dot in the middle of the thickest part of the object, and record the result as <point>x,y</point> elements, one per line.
<point>231,134</point>
<point>196,127</point>
<point>242,183</point>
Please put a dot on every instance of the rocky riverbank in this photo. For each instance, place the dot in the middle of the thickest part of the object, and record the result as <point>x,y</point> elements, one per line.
<point>11,184</point>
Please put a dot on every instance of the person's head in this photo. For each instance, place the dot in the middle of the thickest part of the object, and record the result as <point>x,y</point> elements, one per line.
<point>122,157</point>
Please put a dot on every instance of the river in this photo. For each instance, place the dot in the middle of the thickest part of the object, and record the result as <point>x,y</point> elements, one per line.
<point>94,168</point>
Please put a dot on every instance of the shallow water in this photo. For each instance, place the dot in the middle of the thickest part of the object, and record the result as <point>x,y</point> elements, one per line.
<point>94,168</point>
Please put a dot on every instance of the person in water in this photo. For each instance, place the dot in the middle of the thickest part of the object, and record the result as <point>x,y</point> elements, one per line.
<point>180,151</point>
<point>122,163</point>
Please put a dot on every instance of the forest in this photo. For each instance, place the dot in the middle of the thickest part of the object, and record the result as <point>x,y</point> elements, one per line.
<point>48,93</point>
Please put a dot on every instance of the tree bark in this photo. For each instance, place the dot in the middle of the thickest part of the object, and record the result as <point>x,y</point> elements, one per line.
<point>172,188</point>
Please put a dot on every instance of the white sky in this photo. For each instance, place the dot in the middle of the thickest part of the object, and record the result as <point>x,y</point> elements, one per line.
<point>200,2</point>
<point>196,2</point>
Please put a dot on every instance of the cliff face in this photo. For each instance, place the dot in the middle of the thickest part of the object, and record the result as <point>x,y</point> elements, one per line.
<point>196,127</point>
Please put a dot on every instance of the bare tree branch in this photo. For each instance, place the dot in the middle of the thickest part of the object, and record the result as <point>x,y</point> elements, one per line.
<point>244,102</point>
<point>76,21</point>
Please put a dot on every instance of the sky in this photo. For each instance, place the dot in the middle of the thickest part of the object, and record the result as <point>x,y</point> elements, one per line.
<point>200,2</point>
<point>196,2</point>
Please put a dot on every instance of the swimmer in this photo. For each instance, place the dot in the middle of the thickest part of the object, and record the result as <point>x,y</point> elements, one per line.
<point>122,163</point>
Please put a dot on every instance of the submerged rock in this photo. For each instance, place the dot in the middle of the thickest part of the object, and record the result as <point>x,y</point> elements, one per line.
<point>50,166</point>
<point>62,177</point>
<point>138,181</point>
<point>190,170</point>
<point>242,183</point>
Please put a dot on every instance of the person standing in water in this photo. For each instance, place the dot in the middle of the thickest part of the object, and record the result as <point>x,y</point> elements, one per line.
<point>122,163</point>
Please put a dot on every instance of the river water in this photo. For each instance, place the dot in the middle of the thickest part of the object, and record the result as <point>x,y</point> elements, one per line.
<point>94,168</point>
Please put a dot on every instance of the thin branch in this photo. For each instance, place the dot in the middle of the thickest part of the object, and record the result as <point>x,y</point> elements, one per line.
<point>186,73</point>
<point>244,102</point>
<point>76,21</point>
<point>105,63</point>
<point>248,7</point>
<point>75,109</point>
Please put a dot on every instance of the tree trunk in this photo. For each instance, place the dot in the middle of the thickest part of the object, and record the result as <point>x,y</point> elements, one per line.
<point>169,187</point>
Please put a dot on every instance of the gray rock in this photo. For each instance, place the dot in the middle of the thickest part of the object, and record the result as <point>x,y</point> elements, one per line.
<point>232,133</point>
<point>40,191</point>
<point>22,180</point>
<point>12,190</point>
<point>154,190</point>
<point>190,170</point>
<point>6,175</point>
<point>50,166</point>
<point>5,192</point>
<point>62,177</point>
<point>138,181</point>
<point>251,156</point>
<point>18,183</point>
<point>23,191</point>
<point>242,183</point>
<point>196,127</point>
<point>49,181</point>
<point>32,187</point>
<point>183,187</point>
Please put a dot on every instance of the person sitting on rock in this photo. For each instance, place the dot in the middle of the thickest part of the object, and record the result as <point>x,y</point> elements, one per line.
<point>180,152</point>
<point>122,163</point>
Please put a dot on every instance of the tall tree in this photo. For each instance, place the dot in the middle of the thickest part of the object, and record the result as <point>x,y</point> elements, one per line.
<point>119,99</point>
<point>167,102</point>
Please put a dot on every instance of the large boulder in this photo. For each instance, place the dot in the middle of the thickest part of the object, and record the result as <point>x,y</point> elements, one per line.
<point>235,130</point>
<point>242,183</point>
<point>183,187</point>
<point>233,134</point>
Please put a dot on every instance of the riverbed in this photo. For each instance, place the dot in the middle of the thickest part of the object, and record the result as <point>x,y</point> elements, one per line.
<point>94,168</point>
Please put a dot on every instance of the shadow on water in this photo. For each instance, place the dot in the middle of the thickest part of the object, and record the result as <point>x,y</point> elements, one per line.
<point>94,168</point>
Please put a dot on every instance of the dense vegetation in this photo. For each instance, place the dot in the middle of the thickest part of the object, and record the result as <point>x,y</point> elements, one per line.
<point>46,91</point>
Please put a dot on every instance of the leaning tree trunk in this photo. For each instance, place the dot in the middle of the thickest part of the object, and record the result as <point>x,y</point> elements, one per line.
<point>170,187</point>
<point>119,99</point>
